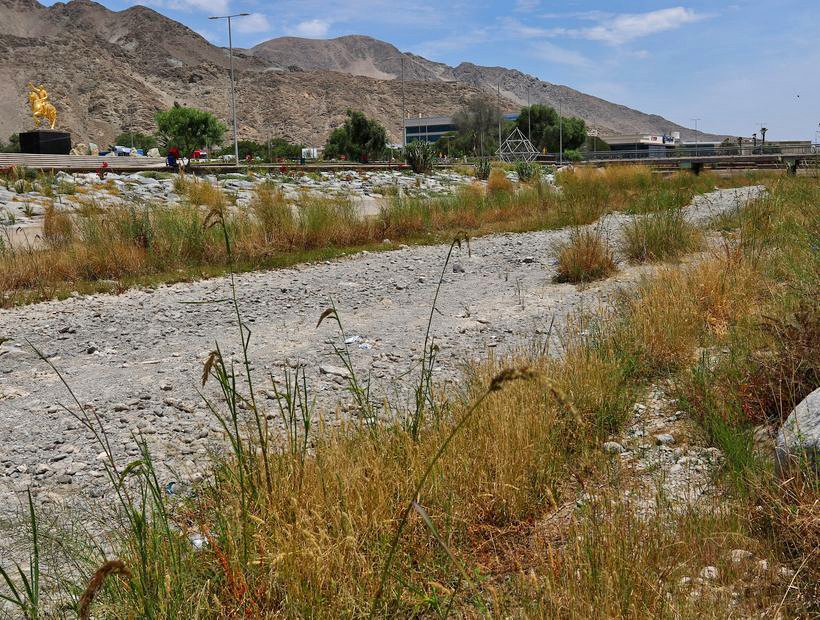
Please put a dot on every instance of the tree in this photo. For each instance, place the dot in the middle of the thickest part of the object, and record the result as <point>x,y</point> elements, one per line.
<point>359,138</point>
<point>13,145</point>
<point>476,128</point>
<point>143,141</point>
<point>547,128</point>
<point>188,129</point>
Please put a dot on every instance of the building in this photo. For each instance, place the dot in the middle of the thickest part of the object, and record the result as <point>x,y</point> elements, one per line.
<point>645,145</point>
<point>432,128</point>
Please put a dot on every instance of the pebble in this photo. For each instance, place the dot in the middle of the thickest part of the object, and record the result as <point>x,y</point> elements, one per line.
<point>709,573</point>
<point>664,439</point>
<point>613,447</point>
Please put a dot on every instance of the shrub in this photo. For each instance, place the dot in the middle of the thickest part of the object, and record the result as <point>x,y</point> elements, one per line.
<point>498,183</point>
<point>573,155</point>
<point>482,169</point>
<point>419,155</point>
<point>57,226</point>
<point>273,214</point>
<point>659,236</point>
<point>585,257</point>
<point>527,170</point>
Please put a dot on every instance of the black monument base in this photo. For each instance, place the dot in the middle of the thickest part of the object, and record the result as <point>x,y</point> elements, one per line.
<point>45,142</point>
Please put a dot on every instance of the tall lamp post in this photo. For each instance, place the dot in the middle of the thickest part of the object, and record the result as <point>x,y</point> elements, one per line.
<point>233,88</point>
<point>697,140</point>
<point>403,102</point>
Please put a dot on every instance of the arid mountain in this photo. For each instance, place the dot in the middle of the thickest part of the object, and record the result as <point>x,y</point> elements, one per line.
<point>110,71</point>
<point>368,57</point>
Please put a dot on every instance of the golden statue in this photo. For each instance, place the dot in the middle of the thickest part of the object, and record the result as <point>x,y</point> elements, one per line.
<point>41,107</point>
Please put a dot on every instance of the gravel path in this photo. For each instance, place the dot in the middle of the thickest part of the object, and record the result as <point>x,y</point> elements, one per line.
<point>137,357</point>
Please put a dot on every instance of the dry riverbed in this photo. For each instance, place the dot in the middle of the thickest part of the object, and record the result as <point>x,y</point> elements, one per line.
<point>136,358</point>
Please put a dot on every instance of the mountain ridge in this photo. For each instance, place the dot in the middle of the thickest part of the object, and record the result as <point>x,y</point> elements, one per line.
<point>110,71</point>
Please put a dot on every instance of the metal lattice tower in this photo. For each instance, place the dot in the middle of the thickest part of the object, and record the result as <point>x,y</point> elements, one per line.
<point>517,148</point>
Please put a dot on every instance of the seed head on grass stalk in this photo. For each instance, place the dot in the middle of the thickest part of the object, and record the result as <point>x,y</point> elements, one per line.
<point>504,377</point>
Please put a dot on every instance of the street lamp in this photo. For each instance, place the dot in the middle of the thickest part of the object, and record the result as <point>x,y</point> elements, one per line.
<point>763,131</point>
<point>697,139</point>
<point>233,93</point>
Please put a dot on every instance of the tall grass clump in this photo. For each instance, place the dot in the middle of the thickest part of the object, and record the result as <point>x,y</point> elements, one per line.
<point>586,256</point>
<point>482,169</point>
<point>498,183</point>
<point>660,236</point>
<point>58,228</point>
<point>420,155</point>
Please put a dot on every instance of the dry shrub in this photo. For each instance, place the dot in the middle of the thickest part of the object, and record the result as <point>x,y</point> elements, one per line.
<point>200,192</point>
<point>660,325</point>
<point>274,215</point>
<point>659,236</point>
<point>585,257</point>
<point>498,183</point>
<point>58,229</point>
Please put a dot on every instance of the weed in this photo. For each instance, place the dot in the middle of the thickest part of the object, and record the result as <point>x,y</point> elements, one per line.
<point>498,183</point>
<point>660,236</point>
<point>585,257</point>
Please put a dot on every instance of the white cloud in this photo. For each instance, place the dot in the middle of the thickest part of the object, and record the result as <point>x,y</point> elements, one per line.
<point>253,23</point>
<point>312,29</point>
<point>212,7</point>
<point>626,27</point>
<point>526,6</point>
<point>552,53</point>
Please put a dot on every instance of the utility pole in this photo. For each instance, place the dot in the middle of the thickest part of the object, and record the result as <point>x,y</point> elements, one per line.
<point>228,18</point>
<point>498,100</point>
<point>763,130</point>
<point>529,116</point>
<point>403,109</point>
<point>697,139</point>
<point>560,134</point>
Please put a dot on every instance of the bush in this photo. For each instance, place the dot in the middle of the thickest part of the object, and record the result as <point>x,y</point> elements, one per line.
<point>526,170</point>
<point>482,169</point>
<point>57,226</point>
<point>498,183</point>
<point>573,155</point>
<point>585,257</point>
<point>662,235</point>
<point>420,155</point>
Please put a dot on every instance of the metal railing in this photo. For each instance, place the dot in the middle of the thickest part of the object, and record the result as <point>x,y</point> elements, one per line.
<point>704,151</point>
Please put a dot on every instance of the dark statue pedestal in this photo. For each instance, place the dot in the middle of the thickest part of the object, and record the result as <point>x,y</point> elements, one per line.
<point>45,142</point>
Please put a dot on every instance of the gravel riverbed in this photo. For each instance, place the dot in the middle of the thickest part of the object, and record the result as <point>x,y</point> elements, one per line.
<point>136,358</point>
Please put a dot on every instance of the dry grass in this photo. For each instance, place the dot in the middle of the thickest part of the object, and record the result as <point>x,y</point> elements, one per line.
<point>498,183</point>
<point>162,242</point>
<point>662,235</point>
<point>302,527</point>
<point>585,257</point>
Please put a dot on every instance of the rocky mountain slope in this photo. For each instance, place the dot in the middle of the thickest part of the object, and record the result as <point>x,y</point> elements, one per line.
<point>368,57</point>
<point>110,71</point>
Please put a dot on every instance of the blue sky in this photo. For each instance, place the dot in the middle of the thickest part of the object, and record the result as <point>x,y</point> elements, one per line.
<point>733,65</point>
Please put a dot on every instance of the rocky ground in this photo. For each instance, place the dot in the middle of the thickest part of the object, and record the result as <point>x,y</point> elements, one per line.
<point>136,359</point>
<point>23,203</point>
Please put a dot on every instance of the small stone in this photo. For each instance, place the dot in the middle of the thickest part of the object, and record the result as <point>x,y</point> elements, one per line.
<point>334,371</point>
<point>165,387</point>
<point>709,572</point>
<point>762,566</point>
<point>785,572</point>
<point>664,439</point>
<point>91,349</point>
<point>685,581</point>
<point>613,447</point>
<point>458,267</point>
<point>739,555</point>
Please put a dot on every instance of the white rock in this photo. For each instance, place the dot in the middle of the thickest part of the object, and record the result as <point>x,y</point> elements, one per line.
<point>664,439</point>
<point>739,555</point>
<point>334,371</point>
<point>799,440</point>
<point>613,447</point>
<point>709,572</point>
